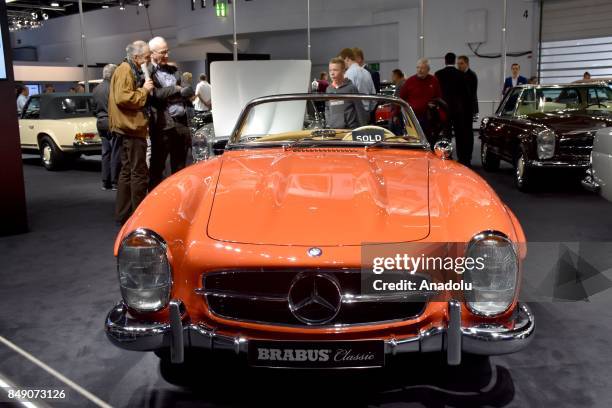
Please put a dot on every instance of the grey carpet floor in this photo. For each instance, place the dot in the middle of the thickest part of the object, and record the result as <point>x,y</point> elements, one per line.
<point>59,280</point>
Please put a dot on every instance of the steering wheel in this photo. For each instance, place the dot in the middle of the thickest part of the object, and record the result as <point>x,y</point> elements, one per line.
<point>388,134</point>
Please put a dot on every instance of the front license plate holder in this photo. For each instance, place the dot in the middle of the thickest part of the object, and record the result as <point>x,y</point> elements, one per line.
<point>316,354</point>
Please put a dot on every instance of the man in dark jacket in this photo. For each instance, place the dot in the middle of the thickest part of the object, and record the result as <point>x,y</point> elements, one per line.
<point>169,121</point>
<point>111,143</point>
<point>463,65</point>
<point>455,93</point>
<point>515,79</point>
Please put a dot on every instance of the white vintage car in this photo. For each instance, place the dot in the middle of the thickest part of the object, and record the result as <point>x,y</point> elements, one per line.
<point>60,127</point>
<point>599,174</point>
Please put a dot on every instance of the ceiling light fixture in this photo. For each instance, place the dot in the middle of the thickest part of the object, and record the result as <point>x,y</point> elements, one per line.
<point>140,4</point>
<point>55,4</point>
<point>105,6</point>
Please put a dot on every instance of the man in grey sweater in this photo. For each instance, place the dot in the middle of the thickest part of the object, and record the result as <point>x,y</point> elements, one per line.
<point>343,114</point>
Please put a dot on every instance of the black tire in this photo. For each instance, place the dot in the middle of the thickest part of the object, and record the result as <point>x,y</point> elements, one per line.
<point>51,156</point>
<point>523,174</point>
<point>490,162</point>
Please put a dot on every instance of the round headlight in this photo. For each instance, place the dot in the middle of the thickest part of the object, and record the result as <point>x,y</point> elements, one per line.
<point>546,144</point>
<point>145,276</point>
<point>201,141</point>
<point>493,285</point>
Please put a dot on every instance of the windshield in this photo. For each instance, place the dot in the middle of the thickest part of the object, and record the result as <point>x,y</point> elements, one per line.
<point>331,120</point>
<point>563,99</point>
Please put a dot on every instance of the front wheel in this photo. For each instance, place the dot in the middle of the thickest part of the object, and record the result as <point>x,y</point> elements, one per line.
<point>50,155</point>
<point>523,174</point>
<point>490,162</point>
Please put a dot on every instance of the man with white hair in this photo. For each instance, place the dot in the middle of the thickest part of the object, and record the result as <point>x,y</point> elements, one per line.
<point>169,119</point>
<point>127,118</point>
<point>111,144</point>
<point>419,90</point>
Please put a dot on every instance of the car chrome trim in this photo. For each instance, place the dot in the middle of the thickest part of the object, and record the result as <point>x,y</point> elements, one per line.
<point>129,333</point>
<point>557,164</point>
<point>346,297</point>
<point>332,305</point>
<point>238,295</point>
<point>81,143</point>
<point>453,337</point>
<point>443,149</point>
<point>589,183</point>
<point>177,344</point>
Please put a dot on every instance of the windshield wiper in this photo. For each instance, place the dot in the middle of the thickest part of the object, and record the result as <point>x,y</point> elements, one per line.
<point>303,142</point>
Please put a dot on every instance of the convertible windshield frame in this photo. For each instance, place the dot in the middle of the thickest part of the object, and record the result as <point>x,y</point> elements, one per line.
<point>234,139</point>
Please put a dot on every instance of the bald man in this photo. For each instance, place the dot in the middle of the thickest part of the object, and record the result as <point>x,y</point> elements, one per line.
<point>169,122</point>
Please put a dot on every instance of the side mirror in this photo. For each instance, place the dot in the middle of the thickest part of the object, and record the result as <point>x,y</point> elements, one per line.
<point>443,149</point>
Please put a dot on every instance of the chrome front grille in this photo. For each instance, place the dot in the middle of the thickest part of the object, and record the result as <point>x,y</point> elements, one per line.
<point>576,145</point>
<point>262,296</point>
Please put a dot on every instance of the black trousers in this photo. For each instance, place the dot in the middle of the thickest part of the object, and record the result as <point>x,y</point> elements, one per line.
<point>134,177</point>
<point>111,157</point>
<point>465,140</point>
<point>461,128</point>
<point>173,142</point>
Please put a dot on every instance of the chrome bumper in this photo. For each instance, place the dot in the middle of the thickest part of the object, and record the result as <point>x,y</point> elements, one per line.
<point>130,334</point>
<point>589,183</point>
<point>558,164</point>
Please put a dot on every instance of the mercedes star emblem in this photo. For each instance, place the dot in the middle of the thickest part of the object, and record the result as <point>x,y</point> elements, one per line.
<point>314,252</point>
<point>315,298</point>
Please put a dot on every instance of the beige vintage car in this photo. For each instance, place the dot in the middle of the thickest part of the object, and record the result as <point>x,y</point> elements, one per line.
<point>60,127</point>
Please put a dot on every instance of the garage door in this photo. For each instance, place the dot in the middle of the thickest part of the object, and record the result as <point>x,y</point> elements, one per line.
<point>576,37</point>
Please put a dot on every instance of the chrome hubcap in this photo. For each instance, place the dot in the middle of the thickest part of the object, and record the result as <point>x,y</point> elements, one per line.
<point>46,156</point>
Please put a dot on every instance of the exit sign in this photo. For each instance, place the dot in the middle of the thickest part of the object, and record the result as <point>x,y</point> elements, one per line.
<point>374,66</point>
<point>221,8</point>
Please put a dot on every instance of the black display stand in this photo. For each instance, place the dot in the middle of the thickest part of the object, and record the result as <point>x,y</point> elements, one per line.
<point>13,216</point>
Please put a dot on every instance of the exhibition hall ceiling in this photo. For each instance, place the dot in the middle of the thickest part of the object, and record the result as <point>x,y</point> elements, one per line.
<point>27,14</point>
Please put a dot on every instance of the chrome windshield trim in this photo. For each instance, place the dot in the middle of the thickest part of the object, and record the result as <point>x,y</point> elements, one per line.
<point>233,138</point>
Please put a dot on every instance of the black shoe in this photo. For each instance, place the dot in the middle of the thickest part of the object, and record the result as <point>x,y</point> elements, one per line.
<point>114,187</point>
<point>106,187</point>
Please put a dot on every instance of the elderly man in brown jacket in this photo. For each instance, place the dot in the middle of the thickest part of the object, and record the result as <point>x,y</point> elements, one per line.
<point>128,120</point>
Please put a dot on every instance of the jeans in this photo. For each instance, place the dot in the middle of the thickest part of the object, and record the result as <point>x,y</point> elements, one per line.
<point>111,157</point>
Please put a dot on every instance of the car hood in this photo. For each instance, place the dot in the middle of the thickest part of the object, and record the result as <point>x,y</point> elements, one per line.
<point>566,124</point>
<point>321,198</point>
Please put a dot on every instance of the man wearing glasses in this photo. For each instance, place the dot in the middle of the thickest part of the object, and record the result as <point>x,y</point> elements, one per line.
<point>169,122</point>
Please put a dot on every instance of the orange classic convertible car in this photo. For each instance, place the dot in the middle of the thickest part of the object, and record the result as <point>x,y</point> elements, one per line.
<point>260,250</point>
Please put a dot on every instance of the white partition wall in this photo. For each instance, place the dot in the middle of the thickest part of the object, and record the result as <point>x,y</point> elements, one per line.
<point>234,83</point>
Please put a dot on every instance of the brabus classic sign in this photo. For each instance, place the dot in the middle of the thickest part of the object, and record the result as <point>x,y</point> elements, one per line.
<point>332,354</point>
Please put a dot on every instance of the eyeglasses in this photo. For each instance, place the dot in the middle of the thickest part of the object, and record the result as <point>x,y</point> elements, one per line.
<point>162,52</point>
